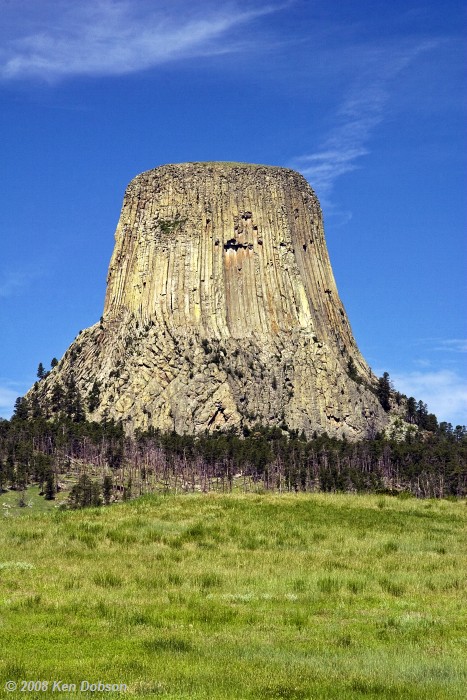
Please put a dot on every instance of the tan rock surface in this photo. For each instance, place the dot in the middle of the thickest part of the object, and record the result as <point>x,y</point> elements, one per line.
<point>222,310</point>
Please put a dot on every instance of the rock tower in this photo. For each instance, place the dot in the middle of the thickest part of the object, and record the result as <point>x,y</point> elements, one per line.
<point>221,312</point>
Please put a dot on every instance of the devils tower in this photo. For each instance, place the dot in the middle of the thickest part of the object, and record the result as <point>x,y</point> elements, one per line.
<point>221,312</point>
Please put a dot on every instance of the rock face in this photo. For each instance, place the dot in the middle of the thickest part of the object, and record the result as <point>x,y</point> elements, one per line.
<point>221,311</point>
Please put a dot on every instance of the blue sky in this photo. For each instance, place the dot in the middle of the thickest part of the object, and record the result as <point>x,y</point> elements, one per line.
<point>367,99</point>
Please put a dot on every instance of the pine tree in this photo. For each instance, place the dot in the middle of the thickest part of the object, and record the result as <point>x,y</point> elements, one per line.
<point>421,413</point>
<point>80,415</point>
<point>431,423</point>
<point>41,466</point>
<point>50,487</point>
<point>72,401</point>
<point>96,499</point>
<point>127,490</point>
<point>10,470</point>
<point>36,410</point>
<point>352,371</point>
<point>107,487</point>
<point>94,397</point>
<point>57,398</point>
<point>41,371</point>
<point>21,475</point>
<point>21,410</point>
<point>85,493</point>
<point>384,391</point>
<point>70,397</point>
<point>411,410</point>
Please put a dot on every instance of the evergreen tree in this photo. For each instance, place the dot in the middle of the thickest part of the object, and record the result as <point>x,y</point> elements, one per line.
<point>21,475</point>
<point>431,423</point>
<point>446,429</point>
<point>10,470</point>
<point>421,414</point>
<point>72,401</point>
<point>352,371</point>
<point>80,415</point>
<point>127,490</point>
<point>41,371</point>
<point>53,363</point>
<point>85,493</point>
<point>411,410</point>
<point>96,499</point>
<point>57,398</point>
<point>94,397</point>
<point>50,487</point>
<point>107,487</point>
<point>384,391</point>
<point>35,407</point>
<point>114,454</point>
<point>41,465</point>
<point>21,410</point>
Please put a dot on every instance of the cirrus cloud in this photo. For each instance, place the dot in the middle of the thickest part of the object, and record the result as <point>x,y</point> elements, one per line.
<point>117,37</point>
<point>363,108</point>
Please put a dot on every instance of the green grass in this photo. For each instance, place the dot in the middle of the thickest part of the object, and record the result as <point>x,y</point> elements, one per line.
<point>327,597</point>
<point>9,502</point>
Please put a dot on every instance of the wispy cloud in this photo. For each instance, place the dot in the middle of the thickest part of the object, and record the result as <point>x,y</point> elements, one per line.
<point>444,391</point>
<point>449,349</point>
<point>116,37</point>
<point>453,345</point>
<point>8,396</point>
<point>14,281</point>
<point>422,362</point>
<point>363,108</point>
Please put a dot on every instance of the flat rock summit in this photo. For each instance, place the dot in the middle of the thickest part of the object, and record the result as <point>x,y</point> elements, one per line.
<point>221,312</point>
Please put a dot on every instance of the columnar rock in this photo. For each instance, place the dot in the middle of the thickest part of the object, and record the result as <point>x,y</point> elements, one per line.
<point>221,311</point>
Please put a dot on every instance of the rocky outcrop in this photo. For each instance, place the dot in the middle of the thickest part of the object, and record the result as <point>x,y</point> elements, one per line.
<point>221,311</point>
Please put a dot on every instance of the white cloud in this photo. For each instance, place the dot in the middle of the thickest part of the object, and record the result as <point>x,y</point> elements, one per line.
<point>13,281</point>
<point>360,113</point>
<point>8,397</point>
<point>116,37</point>
<point>453,345</point>
<point>324,167</point>
<point>422,362</point>
<point>444,391</point>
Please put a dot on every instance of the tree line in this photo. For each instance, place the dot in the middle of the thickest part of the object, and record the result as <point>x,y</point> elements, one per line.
<point>105,465</point>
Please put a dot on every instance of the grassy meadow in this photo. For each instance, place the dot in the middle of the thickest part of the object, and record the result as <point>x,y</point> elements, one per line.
<point>320,596</point>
